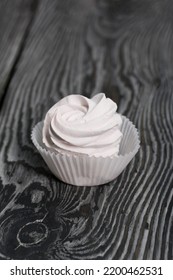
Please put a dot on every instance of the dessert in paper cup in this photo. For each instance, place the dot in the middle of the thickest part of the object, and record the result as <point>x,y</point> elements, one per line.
<point>85,142</point>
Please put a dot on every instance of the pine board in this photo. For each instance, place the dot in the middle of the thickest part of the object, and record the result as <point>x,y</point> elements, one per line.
<point>15,20</point>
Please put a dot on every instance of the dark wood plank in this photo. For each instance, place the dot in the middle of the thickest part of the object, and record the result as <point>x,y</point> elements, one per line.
<point>123,48</point>
<point>15,19</point>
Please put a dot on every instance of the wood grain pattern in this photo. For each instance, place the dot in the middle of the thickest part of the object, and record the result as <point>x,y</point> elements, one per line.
<point>15,19</point>
<point>123,48</point>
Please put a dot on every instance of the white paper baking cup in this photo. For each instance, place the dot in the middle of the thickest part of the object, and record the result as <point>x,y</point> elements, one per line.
<point>83,170</point>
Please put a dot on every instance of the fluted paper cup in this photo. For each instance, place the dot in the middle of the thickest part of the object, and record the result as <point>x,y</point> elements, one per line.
<point>84,170</point>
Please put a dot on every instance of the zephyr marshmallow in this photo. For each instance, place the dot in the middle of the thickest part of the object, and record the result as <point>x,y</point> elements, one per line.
<point>77,124</point>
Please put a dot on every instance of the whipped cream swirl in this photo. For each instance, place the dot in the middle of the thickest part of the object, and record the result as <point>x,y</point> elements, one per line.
<point>81,125</point>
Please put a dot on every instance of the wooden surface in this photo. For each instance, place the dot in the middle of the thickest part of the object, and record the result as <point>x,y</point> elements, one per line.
<point>49,49</point>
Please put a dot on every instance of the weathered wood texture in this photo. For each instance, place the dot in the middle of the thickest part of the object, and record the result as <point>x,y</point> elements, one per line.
<point>15,19</point>
<point>125,49</point>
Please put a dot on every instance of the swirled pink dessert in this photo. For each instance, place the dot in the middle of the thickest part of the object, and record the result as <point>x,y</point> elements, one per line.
<point>77,124</point>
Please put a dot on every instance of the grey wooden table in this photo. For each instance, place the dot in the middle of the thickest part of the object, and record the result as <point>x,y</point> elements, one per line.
<point>49,49</point>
